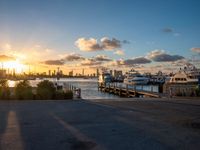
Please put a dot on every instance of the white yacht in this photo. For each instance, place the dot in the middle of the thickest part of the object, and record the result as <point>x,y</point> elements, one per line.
<point>158,78</point>
<point>105,77</point>
<point>134,78</point>
<point>183,77</point>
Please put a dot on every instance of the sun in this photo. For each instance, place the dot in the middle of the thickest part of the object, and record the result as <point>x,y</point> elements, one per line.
<point>14,65</point>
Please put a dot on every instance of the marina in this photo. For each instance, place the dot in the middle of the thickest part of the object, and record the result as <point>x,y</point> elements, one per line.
<point>184,82</point>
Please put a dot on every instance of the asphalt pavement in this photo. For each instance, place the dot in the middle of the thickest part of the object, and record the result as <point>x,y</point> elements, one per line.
<point>128,124</point>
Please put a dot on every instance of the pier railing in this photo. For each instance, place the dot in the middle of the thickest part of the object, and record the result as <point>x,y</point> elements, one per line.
<point>125,90</point>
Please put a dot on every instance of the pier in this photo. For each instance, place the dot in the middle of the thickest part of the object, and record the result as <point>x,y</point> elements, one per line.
<point>131,91</point>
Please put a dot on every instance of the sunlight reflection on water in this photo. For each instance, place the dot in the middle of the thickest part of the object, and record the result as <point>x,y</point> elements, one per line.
<point>11,83</point>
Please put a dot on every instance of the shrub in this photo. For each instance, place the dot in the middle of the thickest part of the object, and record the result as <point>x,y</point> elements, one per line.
<point>4,89</point>
<point>46,90</point>
<point>23,90</point>
<point>68,95</point>
<point>60,95</point>
<point>197,91</point>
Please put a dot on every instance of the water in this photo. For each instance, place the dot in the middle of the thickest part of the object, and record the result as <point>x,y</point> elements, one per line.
<point>89,88</point>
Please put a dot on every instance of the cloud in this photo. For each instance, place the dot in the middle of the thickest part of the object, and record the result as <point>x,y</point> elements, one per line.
<point>90,62</point>
<point>138,60</point>
<point>73,57</point>
<point>8,46</point>
<point>105,43</point>
<point>167,30</point>
<point>119,52</point>
<point>108,44</point>
<point>170,31</point>
<point>4,58</point>
<point>116,63</point>
<point>161,56</point>
<point>54,62</point>
<point>64,59</point>
<point>130,62</point>
<point>181,63</point>
<point>125,42</point>
<point>196,49</point>
<point>88,44</point>
<point>5,46</point>
<point>102,58</point>
<point>95,61</point>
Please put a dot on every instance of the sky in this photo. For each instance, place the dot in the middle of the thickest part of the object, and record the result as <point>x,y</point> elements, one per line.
<point>75,34</point>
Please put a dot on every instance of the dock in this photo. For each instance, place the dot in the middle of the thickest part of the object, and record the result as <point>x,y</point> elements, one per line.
<point>130,91</point>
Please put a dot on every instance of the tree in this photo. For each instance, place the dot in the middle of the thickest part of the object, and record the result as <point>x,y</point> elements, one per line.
<point>46,90</point>
<point>4,89</point>
<point>197,90</point>
<point>23,90</point>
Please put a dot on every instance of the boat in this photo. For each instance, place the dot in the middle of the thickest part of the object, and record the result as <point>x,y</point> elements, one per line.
<point>158,78</point>
<point>189,74</point>
<point>183,77</point>
<point>105,77</point>
<point>135,78</point>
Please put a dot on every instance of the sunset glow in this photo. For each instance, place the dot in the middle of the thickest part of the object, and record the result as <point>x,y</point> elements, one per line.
<point>144,35</point>
<point>15,65</point>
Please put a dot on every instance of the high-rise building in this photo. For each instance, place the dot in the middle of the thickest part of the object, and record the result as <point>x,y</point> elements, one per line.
<point>71,73</point>
<point>49,72</point>
<point>2,73</point>
<point>83,72</point>
<point>97,72</point>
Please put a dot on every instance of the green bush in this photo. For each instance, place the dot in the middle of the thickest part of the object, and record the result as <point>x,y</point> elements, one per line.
<point>68,95</point>
<point>46,90</point>
<point>4,89</point>
<point>23,90</point>
<point>59,95</point>
<point>197,91</point>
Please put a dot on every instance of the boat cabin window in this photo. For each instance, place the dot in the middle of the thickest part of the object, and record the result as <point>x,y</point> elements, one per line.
<point>180,79</point>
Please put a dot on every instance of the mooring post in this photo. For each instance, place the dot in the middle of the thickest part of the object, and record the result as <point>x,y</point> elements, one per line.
<point>135,90</point>
<point>120,90</point>
<point>127,91</point>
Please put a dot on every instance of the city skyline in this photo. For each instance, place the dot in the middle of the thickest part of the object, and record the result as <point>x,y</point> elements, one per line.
<point>145,35</point>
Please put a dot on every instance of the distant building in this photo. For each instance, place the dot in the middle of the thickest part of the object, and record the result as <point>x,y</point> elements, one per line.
<point>71,73</point>
<point>97,72</point>
<point>83,72</point>
<point>2,73</point>
<point>54,72</point>
<point>13,72</point>
<point>44,73</point>
<point>49,72</point>
<point>61,72</point>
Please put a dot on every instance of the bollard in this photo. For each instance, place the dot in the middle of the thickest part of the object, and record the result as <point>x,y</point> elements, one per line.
<point>78,92</point>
